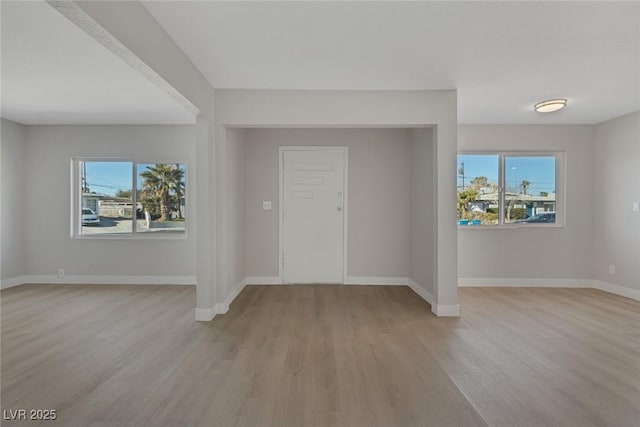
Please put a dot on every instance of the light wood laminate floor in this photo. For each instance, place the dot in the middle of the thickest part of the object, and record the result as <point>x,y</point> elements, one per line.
<point>321,356</point>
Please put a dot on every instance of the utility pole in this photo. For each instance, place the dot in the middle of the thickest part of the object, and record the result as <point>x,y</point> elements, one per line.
<point>84,178</point>
<point>461,173</point>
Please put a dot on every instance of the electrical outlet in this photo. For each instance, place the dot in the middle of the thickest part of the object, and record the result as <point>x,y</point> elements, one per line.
<point>60,273</point>
<point>612,269</point>
<point>266,205</point>
<point>636,206</point>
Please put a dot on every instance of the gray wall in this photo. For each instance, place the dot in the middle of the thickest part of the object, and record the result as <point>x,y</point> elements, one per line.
<point>540,253</point>
<point>422,209</point>
<point>235,210</point>
<point>378,222</point>
<point>49,150</point>
<point>616,185</point>
<point>12,152</point>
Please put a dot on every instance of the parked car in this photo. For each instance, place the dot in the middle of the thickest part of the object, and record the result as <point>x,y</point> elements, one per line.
<point>89,217</point>
<point>545,217</point>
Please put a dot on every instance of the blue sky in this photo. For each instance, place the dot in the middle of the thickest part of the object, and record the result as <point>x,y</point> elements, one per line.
<point>109,177</point>
<point>539,171</point>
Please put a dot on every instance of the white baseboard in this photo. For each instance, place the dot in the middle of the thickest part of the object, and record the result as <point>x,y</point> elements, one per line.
<point>107,280</point>
<point>263,280</point>
<point>350,280</point>
<point>235,292</point>
<point>384,281</point>
<point>423,293</point>
<point>617,289</point>
<point>205,314</point>
<point>552,283</point>
<point>13,281</point>
<point>464,282</point>
<point>442,310</point>
<point>439,310</point>
<point>220,308</point>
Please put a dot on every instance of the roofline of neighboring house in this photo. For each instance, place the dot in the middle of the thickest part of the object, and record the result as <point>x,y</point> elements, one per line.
<point>521,197</point>
<point>106,197</point>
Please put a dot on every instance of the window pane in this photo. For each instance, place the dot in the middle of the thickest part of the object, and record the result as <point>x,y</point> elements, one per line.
<point>478,195</point>
<point>161,195</point>
<point>530,195</point>
<point>106,197</point>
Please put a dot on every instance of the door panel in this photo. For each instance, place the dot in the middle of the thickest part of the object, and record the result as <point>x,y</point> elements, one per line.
<point>313,212</point>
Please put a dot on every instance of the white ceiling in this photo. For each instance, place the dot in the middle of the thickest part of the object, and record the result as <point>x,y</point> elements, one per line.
<point>54,73</point>
<point>502,57</point>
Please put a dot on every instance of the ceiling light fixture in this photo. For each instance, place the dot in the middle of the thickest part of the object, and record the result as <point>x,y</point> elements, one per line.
<point>550,105</point>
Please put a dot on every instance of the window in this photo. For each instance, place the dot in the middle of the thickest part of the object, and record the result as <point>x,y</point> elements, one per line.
<point>497,189</point>
<point>124,198</point>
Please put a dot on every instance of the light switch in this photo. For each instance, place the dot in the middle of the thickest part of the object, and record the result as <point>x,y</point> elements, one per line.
<point>636,206</point>
<point>266,205</point>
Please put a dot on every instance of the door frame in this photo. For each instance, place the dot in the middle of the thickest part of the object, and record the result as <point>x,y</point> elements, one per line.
<point>345,230</point>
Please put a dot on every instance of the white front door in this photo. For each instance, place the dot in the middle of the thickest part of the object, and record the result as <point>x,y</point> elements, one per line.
<point>313,216</point>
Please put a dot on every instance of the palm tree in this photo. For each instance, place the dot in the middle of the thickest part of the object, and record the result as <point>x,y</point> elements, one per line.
<point>178,182</point>
<point>159,181</point>
<point>463,198</point>
<point>524,185</point>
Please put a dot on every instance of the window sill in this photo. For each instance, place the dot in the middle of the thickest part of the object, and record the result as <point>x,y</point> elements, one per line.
<point>508,226</point>
<point>171,235</point>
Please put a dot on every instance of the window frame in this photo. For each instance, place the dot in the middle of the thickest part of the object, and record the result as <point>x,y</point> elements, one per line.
<point>76,200</point>
<point>560,172</point>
